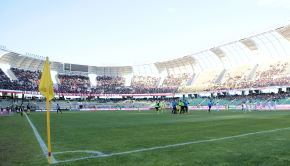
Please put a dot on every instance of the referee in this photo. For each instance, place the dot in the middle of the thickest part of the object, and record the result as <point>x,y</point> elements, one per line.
<point>58,109</point>
<point>209,106</point>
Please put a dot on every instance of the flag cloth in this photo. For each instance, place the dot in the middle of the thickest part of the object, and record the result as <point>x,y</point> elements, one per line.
<point>45,81</point>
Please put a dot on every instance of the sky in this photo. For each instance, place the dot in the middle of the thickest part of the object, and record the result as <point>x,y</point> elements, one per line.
<point>129,32</point>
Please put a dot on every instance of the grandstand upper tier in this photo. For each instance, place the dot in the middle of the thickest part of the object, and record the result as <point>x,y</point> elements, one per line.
<point>261,60</point>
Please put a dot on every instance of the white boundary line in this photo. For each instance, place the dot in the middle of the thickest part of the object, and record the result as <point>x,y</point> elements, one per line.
<point>158,147</point>
<point>41,143</point>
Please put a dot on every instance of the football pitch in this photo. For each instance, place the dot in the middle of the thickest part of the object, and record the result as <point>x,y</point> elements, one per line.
<point>146,138</point>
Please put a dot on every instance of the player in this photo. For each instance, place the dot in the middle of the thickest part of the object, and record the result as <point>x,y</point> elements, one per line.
<point>179,107</point>
<point>117,108</point>
<point>58,109</point>
<point>251,105</point>
<point>243,106</point>
<point>217,107</point>
<point>255,106</point>
<point>247,106</point>
<point>182,106</point>
<point>199,105</point>
<point>275,105</point>
<point>269,105</point>
<point>261,105</point>
<point>157,107</point>
<point>163,107</point>
<point>209,106</point>
<point>186,106</point>
<point>96,108</point>
<point>174,107</point>
<point>22,110</point>
<point>28,109</point>
<point>138,107</point>
<point>226,107</point>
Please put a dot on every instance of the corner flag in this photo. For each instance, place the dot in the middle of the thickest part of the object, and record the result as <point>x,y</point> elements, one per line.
<point>46,89</point>
<point>46,81</point>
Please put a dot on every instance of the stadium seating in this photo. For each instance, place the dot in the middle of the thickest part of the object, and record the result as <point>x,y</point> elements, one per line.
<point>27,80</point>
<point>73,84</point>
<point>176,80</point>
<point>233,79</point>
<point>203,80</point>
<point>144,81</point>
<point>239,73</point>
<point>196,101</point>
<point>110,85</point>
<point>5,82</point>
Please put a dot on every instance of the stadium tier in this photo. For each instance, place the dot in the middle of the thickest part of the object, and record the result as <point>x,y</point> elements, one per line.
<point>176,80</point>
<point>203,80</point>
<point>258,62</point>
<point>73,84</point>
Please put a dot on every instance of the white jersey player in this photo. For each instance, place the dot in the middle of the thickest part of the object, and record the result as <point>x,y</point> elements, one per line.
<point>247,106</point>
<point>255,106</point>
<point>269,105</point>
<point>275,105</point>
<point>217,106</point>
<point>261,106</point>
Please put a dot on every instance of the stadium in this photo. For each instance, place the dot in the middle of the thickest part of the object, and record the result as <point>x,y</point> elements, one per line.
<point>226,70</point>
<point>108,114</point>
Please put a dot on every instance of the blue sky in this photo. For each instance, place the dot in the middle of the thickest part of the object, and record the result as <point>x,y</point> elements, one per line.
<point>128,32</point>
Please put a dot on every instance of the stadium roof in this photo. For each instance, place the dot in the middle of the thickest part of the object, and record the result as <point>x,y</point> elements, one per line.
<point>270,44</point>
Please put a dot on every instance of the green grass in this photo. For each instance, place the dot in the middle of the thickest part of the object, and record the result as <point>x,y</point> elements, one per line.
<point>110,132</point>
<point>18,144</point>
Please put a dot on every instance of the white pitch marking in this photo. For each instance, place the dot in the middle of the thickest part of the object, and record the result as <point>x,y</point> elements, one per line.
<point>41,143</point>
<point>158,147</point>
<point>83,151</point>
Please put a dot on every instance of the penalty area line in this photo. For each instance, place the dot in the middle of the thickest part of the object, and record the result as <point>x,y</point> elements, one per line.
<point>99,154</point>
<point>41,142</point>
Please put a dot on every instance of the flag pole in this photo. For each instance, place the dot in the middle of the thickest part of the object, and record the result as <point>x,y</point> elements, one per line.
<point>48,125</point>
<point>46,89</point>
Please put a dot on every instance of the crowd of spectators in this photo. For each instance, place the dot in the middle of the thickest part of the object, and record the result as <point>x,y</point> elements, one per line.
<point>144,82</point>
<point>73,84</point>
<point>273,75</point>
<point>28,80</point>
<point>110,81</point>
<point>110,85</point>
<point>5,82</point>
<point>176,80</point>
<point>156,90</point>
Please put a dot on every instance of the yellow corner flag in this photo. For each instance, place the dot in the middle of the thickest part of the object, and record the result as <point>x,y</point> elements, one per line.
<point>46,81</point>
<point>46,89</point>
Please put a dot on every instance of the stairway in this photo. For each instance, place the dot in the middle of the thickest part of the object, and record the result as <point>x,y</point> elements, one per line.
<point>203,101</point>
<point>70,102</point>
<point>285,101</point>
<point>266,100</point>
<point>53,103</point>
<point>216,101</point>
<point>34,103</point>
<point>231,101</point>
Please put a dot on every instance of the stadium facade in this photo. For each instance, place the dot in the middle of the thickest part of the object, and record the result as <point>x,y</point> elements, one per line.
<point>255,63</point>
